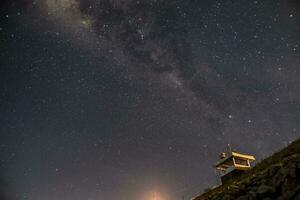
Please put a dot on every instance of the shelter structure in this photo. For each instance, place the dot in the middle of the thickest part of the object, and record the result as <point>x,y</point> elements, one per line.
<point>232,164</point>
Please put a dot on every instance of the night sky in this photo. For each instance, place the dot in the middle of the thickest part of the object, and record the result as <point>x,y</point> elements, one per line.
<point>121,99</point>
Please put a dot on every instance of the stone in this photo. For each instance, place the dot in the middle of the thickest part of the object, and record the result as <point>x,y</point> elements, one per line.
<point>297,197</point>
<point>244,197</point>
<point>242,186</point>
<point>278,179</point>
<point>273,169</point>
<point>252,195</point>
<point>285,171</point>
<point>298,165</point>
<point>227,197</point>
<point>289,170</point>
<point>292,170</point>
<point>287,195</point>
<point>297,189</point>
<point>265,189</point>
<point>289,184</point>
<point>263,182</point>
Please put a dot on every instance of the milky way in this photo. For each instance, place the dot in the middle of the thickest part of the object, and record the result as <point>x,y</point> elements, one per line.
<point>116,99</point>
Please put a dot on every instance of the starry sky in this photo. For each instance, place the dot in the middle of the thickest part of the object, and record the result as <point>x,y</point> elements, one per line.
<point>121,99</point>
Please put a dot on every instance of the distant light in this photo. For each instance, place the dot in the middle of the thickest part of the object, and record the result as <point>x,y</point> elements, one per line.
<point>155,196</point>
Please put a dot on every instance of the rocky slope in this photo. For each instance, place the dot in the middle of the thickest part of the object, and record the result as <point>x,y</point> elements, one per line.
<point>277,177</point>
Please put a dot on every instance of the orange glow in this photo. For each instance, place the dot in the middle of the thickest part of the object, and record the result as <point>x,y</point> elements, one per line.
<point>156,196</point>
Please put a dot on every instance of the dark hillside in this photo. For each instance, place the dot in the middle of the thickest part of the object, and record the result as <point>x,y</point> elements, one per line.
<point>276,177</point>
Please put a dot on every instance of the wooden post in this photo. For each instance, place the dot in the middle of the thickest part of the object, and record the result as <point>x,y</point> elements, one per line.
<point>248,162</point>
<point>233,161</point>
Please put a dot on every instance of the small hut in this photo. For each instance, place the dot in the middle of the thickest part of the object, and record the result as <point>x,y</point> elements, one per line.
<point>232,164</point>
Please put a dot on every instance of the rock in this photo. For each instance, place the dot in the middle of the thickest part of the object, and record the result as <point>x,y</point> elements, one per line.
<point>227,197</point>
<point>298,165</point>
<point>285,171</point>
<point>292,170</point>
<point>254,189</point>
<point>297,189</point>
<point>267,198</point>
<point>291,158</point>
<point>252,195</point>
<point>289,170</point>
<point>297,197</point>
<point>273,169</point>
<point>287,195</point>
<point>289,184</point>
<point>243,187</point>
<point>255,181</point>
<point>265,190</point>
<point>278,179</point>
<point>244,197</point>
<point>263,182</point>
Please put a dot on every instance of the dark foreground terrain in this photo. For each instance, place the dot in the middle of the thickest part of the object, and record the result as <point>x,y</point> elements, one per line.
<point>276,177</point>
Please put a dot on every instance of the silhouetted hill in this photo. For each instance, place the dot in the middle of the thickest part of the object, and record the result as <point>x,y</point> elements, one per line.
<point>276,177</point>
